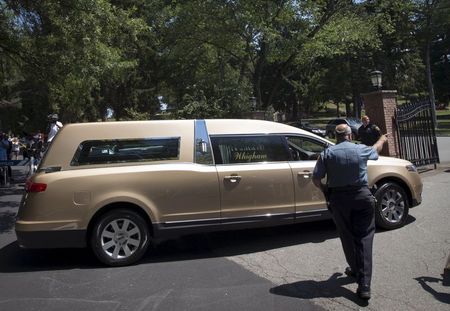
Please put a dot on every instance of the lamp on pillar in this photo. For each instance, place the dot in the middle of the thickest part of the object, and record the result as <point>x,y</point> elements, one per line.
<point>375,77</point>
<point>381,106</point>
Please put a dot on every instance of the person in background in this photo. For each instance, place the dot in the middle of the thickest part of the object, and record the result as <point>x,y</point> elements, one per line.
<point>368,133</point>
<point>15,148</point>
<point>4,154</point>
<point>4,146</point>
<point>26,145</point>
<point>8,152</point>
<point>351,202</point>
<point>54,126</point>
<point>37,149</point>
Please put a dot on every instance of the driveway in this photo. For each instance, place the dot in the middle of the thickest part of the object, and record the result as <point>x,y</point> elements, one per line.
<point>444,149</point>
<point>408,263</point>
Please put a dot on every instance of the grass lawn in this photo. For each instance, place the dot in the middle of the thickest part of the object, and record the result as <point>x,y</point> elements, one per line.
<point>321,118</point>
<point>443,122</point>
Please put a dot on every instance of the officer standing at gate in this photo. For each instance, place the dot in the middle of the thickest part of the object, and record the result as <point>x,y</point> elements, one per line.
<point>368,132</point>
<point>351,202</point>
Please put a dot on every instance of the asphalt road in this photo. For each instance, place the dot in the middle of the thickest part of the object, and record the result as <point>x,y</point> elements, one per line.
<point>408,263</point>
<point>190,273</point>
<point>287,268</point>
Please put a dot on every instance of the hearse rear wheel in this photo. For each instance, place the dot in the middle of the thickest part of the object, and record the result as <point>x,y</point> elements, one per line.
<point>120,237</point>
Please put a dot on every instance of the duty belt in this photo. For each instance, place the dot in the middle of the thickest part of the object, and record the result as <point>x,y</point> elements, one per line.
<point>346,188</point>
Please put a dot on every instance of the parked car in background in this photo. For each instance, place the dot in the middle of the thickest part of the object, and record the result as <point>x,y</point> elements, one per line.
<point>117,186</point>
<point>352,122</point>
<point>309,127</point>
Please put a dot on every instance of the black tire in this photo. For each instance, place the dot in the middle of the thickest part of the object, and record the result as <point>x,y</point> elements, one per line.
<point>392,206</point>
<point>120,237</point>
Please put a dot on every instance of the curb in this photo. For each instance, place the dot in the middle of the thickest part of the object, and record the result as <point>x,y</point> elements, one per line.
<point>428,171</point>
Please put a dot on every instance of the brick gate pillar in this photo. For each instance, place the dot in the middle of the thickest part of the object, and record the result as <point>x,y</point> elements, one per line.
<point>380,106</point>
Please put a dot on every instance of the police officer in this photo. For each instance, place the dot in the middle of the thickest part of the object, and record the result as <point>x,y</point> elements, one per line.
<point>351,202</point>
<point>368,133</point>
<point>53,127</point>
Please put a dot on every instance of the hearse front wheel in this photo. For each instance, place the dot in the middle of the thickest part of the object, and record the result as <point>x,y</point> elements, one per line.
<point>120,237</point>
<point>392,206</point>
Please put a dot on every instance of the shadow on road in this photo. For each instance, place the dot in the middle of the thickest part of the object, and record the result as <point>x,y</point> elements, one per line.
<point>7,220</point>
<point>309,289</point>
<point>190,247</point>
<point>9,204</point>
<point>15,259</point>
<point>424,282</point>
<point>408,221</point>
<point>15,190</point>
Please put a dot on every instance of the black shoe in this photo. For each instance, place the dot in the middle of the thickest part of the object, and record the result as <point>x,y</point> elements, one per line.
<point>363,292</point>
<point>349,272</point>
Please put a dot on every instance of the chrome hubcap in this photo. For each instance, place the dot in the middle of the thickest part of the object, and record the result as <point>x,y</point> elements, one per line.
<point>392,206</point>
<point>120,238</point>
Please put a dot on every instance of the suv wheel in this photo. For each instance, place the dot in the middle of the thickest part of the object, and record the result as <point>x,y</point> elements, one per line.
<point>120,237</point>
<point>392,206</point>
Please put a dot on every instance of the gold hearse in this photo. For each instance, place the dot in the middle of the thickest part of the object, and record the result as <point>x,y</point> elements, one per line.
<point>115,186</point>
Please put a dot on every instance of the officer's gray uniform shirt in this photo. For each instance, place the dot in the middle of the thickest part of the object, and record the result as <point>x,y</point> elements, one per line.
<point>345,164</point>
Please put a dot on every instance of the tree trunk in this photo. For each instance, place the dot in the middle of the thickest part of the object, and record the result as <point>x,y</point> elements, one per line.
<point>430,81</point>
<point>348,109</point>
<point>427,60</point>
<point>295,106</point>
<point>355,89</point>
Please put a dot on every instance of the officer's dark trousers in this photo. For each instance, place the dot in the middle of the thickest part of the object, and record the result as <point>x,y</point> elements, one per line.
<point>354,215</point>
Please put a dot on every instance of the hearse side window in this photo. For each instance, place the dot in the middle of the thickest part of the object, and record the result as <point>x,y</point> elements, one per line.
<point>126,150</point>
<point>249,149</point>
<point>304,149</point>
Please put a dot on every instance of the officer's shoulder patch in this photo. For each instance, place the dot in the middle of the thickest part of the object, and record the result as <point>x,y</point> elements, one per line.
<point>376,128</point>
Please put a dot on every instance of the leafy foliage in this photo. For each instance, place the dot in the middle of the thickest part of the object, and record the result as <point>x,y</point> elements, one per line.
<point>202,59</point>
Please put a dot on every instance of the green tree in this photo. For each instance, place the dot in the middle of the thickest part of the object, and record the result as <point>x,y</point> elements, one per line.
<point>210,58</point>
<point>432,27</point>
<point>440,53</point>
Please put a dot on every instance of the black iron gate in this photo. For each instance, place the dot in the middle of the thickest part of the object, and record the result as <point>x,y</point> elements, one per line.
<point>416,135</point>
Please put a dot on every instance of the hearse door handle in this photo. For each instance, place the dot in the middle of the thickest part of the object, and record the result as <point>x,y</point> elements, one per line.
<point>233,178</point>
<point>305,174</point>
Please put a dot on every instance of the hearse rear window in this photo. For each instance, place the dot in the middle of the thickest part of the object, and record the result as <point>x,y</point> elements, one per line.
<point>126,150</point>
